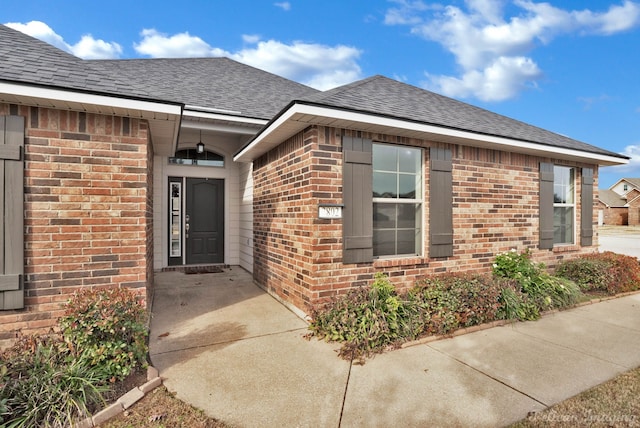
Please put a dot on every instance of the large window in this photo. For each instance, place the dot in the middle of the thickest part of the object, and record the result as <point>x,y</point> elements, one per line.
<point>563,205</point>
<point>397,200</point>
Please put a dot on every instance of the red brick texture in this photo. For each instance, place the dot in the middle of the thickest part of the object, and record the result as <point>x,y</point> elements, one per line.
<point>617,216</point>
<point>88,210</point>
<point>633,199</point>
<point>298,257</point>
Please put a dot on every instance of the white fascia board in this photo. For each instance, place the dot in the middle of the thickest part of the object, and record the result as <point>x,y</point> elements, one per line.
<point>92,99</point>
<point>266,132</point>
<point>223,117</point>
<point>495,141</point>
<point>221,127</point>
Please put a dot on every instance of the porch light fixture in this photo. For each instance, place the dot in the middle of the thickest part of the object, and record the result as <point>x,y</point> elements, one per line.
<point>200,145</point>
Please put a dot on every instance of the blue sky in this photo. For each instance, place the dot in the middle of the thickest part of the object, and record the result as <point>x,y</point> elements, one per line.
<point>569,66</point>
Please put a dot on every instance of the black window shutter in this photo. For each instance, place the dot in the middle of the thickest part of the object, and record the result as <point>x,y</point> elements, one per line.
<point>11,212</point>
<point>440,203</point>
<point>586,210</point>
<point>546,206</point>
<point>357,194</point>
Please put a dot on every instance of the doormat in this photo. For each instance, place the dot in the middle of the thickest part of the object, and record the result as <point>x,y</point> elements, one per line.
<point>190,270</point>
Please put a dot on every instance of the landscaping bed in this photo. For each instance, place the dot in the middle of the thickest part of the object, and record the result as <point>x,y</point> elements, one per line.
<point>375,318</point>
<point>99,350</point>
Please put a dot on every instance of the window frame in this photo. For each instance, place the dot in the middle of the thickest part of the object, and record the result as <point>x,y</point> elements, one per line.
<point>572,184</point>
<point>193,158</point>
<point>418,201</point>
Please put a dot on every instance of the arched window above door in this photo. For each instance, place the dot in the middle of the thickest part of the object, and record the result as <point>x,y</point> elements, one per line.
<point>192,157</point>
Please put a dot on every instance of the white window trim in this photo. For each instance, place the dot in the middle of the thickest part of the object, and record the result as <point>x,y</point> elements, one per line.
<point>413,201</point>
<point>574,205</point>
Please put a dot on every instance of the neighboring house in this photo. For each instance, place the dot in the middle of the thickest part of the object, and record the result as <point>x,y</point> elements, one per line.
<point>612,208</point>
<point>625,185</point>
<point>123,168</point>
<point>619,205</point>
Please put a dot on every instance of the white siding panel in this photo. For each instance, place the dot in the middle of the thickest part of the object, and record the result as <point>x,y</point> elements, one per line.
<point>246,216</point>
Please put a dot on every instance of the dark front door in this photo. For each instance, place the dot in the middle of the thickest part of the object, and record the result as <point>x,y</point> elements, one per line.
<point>204,221</point>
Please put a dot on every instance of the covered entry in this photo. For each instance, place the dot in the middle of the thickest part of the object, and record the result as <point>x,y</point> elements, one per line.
<point>196,221</point>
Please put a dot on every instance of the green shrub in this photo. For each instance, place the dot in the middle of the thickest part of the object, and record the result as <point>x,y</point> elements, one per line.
<point>515,305</point>
<point>604,272</point>
<point>457,300</point>
<point>551,292</point>
<point>106,330</point>
<point>590,273</point>
<point>42,387</point>
<point>514,265</point>
<point>543,290</point>
<point>367,320</point>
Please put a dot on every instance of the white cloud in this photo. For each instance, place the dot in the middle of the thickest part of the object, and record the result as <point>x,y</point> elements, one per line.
<point>497,82</point>
<point>87,47</point>
<point>251,38</point>
<point>488,46</point>
<point>632,151</point>
<point>313,64</point>
<point>181,45</point>
<point>90,48</point>
<point>615,20</point>
<point>285,5</point>
<point>319,66</point>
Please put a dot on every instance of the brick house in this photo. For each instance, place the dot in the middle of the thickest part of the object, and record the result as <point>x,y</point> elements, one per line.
<point>619,204</point>
<point>124,168</point>
<point>633,203</point>
<point>612,208</point>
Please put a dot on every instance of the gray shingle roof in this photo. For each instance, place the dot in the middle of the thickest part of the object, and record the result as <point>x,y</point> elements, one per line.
<point>25,59</point>
<point>219,83</point>
<point>380,95</point>
<point>225,84</point>
<point>611,198</point>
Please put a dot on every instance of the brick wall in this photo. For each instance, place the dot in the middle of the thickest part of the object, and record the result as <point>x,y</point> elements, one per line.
<point>613,215</point>
<point>633,199</point>
<point>298,257</point>
<point>87,210</point>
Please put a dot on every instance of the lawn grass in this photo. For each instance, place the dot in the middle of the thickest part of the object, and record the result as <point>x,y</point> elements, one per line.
<point>615,403</point>
<point>160,409</point>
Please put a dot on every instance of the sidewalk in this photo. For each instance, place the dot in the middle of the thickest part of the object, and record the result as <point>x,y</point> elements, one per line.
<point>225,346</point>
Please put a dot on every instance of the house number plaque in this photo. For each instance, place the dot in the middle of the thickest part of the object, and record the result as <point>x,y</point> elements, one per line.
<point>329,211</point>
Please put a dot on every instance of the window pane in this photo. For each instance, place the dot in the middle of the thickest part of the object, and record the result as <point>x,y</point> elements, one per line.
<point>385,185</point>
<point>384,216</point>
<point>408,186</point>
<point>385,158</point>
<point>563,185</point>
<point>384,242</point>
<point>407,241</point>
<point>408,215</point>
<point>409,160</point>
<point>563,225</point>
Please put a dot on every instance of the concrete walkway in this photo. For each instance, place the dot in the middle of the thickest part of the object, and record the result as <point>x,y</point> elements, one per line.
<point>225,346</point>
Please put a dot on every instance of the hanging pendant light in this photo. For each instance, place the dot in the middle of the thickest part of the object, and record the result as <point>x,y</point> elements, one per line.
<point>200,145</point>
